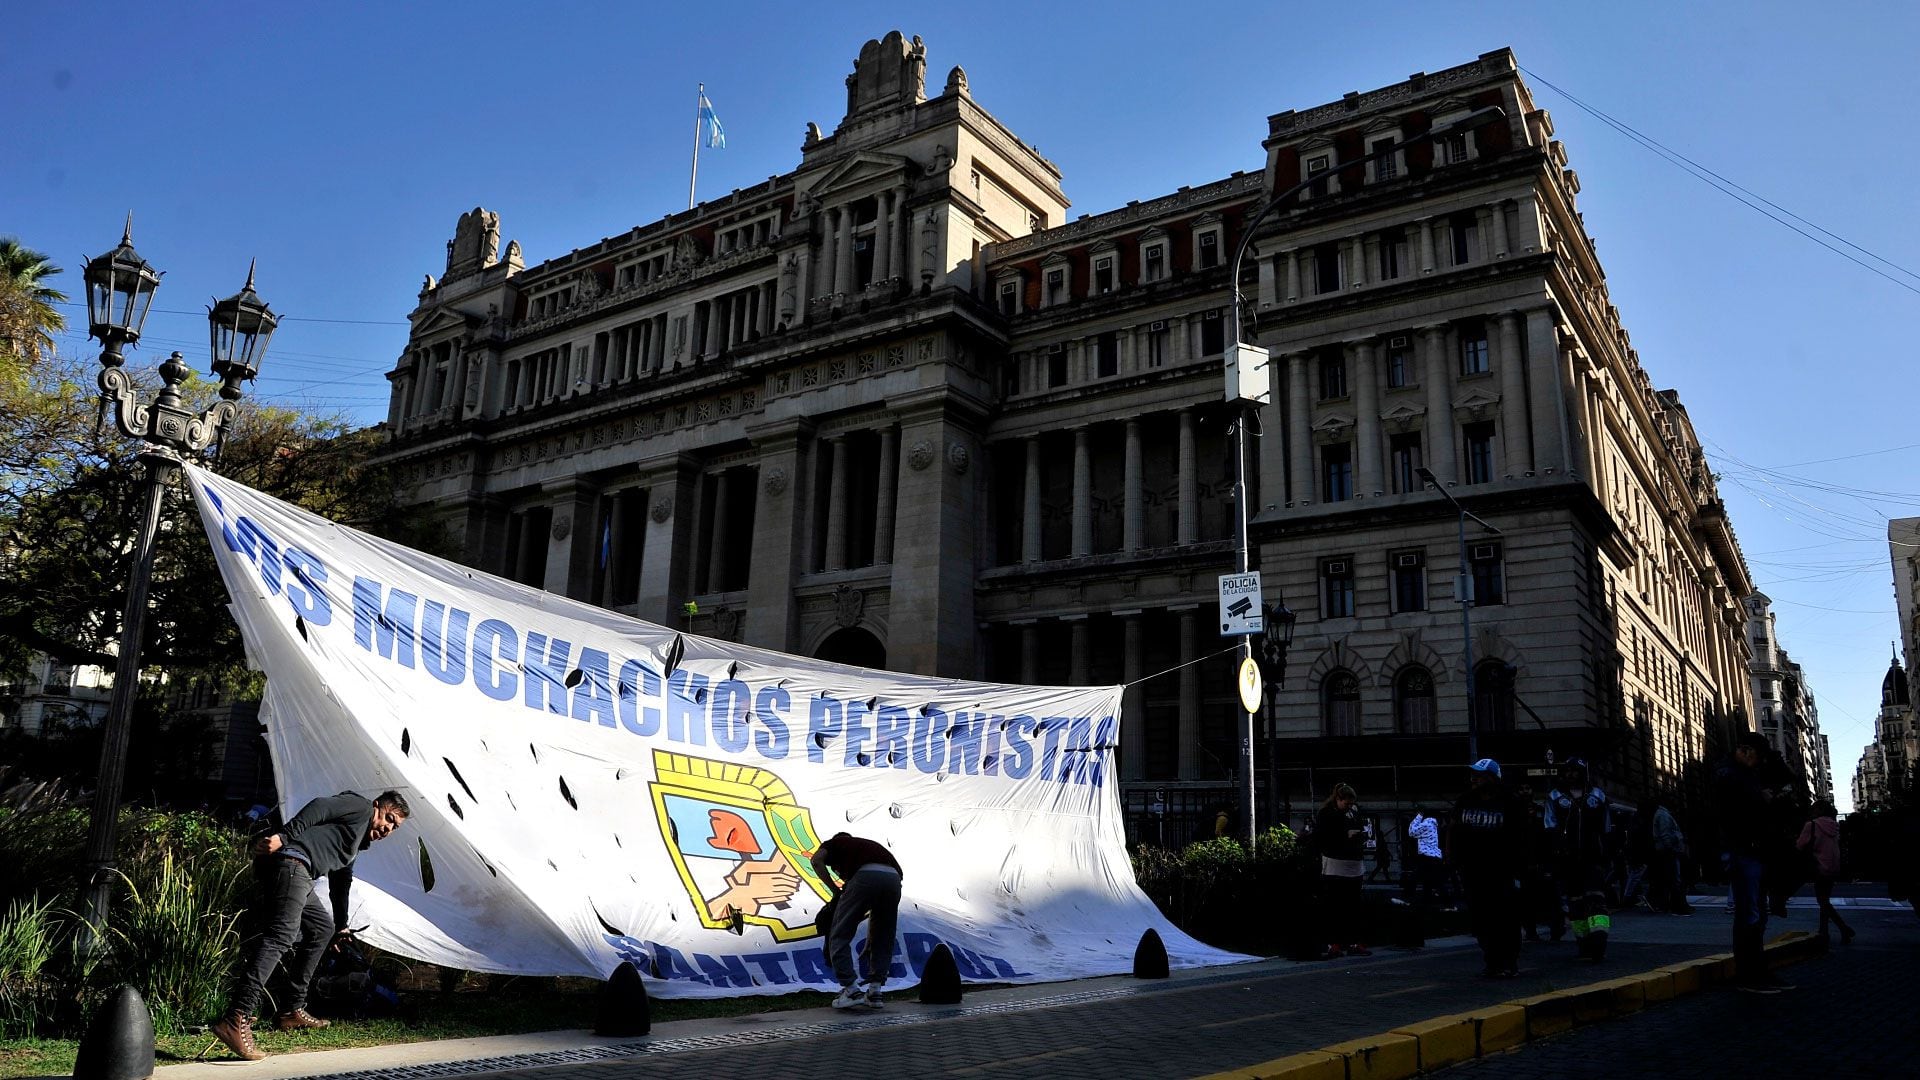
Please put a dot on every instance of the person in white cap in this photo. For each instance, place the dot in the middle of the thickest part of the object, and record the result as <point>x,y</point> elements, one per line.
<point>1489,849</point>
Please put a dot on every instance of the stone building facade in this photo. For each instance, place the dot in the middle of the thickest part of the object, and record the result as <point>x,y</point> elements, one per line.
<point>1785,709</point>
<point>895,408</point>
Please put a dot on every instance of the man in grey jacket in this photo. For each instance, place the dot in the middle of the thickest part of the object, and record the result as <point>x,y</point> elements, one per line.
<point>285,916</point>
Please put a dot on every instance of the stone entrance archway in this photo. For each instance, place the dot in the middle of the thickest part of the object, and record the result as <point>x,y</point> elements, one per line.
<point>853,645</point>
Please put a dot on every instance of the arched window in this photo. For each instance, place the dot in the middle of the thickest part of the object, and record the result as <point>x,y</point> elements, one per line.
<point>1493,696</point>
<point>1413,701</point>
<point>1340,703</point>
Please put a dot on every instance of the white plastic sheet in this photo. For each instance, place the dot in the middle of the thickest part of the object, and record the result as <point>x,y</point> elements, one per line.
<point>589,788</point>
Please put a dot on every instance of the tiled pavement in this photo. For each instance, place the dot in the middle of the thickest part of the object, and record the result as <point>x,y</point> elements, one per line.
<point>1851,1014</point>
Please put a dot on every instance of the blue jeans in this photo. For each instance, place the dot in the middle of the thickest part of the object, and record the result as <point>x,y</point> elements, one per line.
<point>1744,881</point>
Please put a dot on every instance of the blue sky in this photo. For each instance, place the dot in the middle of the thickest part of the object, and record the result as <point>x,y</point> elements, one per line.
<point>339,143</point>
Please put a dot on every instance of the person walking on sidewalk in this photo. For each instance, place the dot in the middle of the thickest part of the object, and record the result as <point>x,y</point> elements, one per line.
<point>1745,805</point>
<point>1489,848</point>
<point>1580,821</point>
<point>1820,838</point>
<point>1667,887</point>
<point>1425,869</point>
<point>1340,838</point>
<point>286,920</point>
<point>868,887</point>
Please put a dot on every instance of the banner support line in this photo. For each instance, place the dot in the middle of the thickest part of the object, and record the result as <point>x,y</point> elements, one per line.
<point>1177,667</point>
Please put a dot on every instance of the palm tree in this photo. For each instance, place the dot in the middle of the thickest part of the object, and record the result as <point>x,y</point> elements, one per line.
<point>28,318</point>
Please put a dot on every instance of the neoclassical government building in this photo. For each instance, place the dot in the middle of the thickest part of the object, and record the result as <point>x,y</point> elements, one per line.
<point>899,407</point>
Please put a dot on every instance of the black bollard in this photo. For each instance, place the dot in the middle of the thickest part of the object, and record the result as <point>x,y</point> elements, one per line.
<point>624,1011</point>
<point>940,978</point>
<point>1150,956</point>
<point>118,1044</point>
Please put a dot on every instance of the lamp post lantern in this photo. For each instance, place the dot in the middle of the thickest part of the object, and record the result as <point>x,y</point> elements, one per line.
<point>1463,592</point>
<point>120,287</point>
<point>1250,385</point>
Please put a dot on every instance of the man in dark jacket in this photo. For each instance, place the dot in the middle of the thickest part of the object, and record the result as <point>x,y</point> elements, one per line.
<point>1489,849</point>
<point>1746,804</point>
<point>285,916</point>
<point>864,878</point>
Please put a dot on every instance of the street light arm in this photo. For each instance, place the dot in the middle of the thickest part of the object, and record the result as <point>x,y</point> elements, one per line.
<point>1433,482</point>
<point>165,423</point>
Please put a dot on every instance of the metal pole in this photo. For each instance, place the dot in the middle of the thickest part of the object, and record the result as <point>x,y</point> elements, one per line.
<point>693,175</point>
<point>1246,640</point>
<point>1465,590</point>
<point>126,676</point>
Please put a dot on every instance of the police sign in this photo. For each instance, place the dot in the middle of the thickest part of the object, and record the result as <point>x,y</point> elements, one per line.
<point>1240,611</point>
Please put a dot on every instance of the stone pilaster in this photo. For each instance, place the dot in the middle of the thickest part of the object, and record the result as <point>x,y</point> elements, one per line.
<point>932,632</point>
<point>1366,406</point>
<point>779,531</point>
<point>1514,437</point>
<point>666,574</point>
<point>1438,448</point>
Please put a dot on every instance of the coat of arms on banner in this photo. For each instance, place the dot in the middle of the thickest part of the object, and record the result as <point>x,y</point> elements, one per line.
<point>741,843</point>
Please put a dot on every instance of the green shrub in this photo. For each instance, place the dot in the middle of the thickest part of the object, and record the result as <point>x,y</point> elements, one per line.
<point>176,936</point>
<point>1218,892</point>
<point>30,937</point>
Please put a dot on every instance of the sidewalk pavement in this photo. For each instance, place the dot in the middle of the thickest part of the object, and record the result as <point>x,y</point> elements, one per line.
<point>1195,1023</point>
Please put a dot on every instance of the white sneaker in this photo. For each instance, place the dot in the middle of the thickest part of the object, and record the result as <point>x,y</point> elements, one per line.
<point>853,996</point>
<point>871,996</point>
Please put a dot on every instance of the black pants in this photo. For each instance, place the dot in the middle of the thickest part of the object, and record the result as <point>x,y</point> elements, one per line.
<point>1340,910</point>
<point>284,915</point>
<point>1823,891</point>
<point>1493,910</point>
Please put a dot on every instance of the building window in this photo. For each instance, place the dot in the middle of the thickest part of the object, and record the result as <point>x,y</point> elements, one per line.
<point>1399,362</point>
<point>1056,287</point>
<point>1326,269</point>
<point>1213,334</point>
<point>1154,263</point>
<point>1387,167</point>
<point>1479,440</point>
<point>1106,354</point>
<point>1404,454</point>
<point>1056,367</point>
<point>1208,255</point>
<point>1009,298</point>
<point>1333,377</point>
<point>1336,588</point>
<point>1159,338</point>
<point>1336,471</point>
<point>1103,275</point>
<point>1413,701</point>
<point>1463,237</point>
<point>1409,573</point>
<point>1493,696</point>
<point>1453,148</point>
<point>1489,575</point>
<point>1317,169</point>
<point>1474,355</point>
<point>1390,256</point>
<point>1340,704</point>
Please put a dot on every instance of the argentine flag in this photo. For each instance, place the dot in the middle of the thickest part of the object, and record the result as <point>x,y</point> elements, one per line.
<point>717,135</point>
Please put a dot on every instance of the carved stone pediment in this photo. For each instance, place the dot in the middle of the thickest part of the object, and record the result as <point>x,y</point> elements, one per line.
<point>860,170</point>
<point>1478,403</point>
<point>441,321</point>
<point>1332,427</point>
<point>1404,417</point>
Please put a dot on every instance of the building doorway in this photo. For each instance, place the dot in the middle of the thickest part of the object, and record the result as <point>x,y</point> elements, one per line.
<point>854,646</point>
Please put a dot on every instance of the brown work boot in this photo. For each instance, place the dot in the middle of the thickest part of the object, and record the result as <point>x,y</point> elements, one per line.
<point>299,1020</point>
<point>236,1030</point>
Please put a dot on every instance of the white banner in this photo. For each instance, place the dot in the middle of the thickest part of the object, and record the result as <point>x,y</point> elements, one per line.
<point>589,788</point>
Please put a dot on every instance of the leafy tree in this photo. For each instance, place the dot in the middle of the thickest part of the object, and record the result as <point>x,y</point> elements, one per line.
<point>28,318</point>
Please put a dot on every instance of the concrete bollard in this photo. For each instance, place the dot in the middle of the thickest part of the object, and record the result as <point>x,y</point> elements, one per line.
<point>118,1044</point>
<point>940,978</point>
<point>624,1009</point>
<point>1150,956</point>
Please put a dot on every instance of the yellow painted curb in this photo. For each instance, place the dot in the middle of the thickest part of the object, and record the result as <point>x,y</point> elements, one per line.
<point>1629,994</point>
<point>1379,1057</point>
<point>1499,1027</point>
<point>1547,1014</point>
<point>1443,1040</point>
<point>1656,986</point>
<point>1310,1065</point>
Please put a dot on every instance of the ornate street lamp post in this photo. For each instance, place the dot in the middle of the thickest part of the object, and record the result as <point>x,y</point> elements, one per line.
<point>1247,372</point>
<point>120,287</point>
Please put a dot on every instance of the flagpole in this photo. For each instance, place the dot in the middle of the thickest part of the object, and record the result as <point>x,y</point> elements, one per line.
<point>694,176</point>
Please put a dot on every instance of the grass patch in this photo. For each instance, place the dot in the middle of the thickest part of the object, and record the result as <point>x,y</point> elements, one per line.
<point>525,1005</point>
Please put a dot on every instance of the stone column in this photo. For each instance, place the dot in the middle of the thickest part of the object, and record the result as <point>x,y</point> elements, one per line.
<point>620,528</point>
<point>1300,428</point>
<point>1179,339</point>
<point>1266,279</point>
<point>1356,253</point>
<point>1077,649</point>
<point>1189,524</point>
<point>1293,276</point>
<point>1366,406</point>
<point>1133,713</point>
<point>665,575</point>
<point>1133,525</point>
<point>572,542</point>
<point>1438,448</point>
<point>1189,737</point>
<point>830,251</point>
<point>1532,237</point>
<point>717,539</point>
<point>1082,494</point>
<point>780,532</point>
<point>934,632</point>
<point>1426,245</point>
<point>1029,653</point>
<point>883,238</point>
<point>1500,248</point>
<point>1513,395</point>
<point>1544,381</point>
<point>1030,534</point>
<point>837,504</point>
<point>884,499</point>
<point>843,251</point>
<point>710,345</point>
<point>801,286</point>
